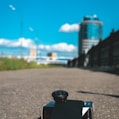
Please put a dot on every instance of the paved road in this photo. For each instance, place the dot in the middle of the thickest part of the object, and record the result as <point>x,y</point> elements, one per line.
<point>22,93</point>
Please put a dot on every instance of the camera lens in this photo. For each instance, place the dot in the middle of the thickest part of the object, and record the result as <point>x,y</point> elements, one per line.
<point>60,96</point>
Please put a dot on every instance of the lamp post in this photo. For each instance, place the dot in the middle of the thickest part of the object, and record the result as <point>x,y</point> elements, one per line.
<point>36,39</point>
<point>21,36</point>
<point>21,28</point>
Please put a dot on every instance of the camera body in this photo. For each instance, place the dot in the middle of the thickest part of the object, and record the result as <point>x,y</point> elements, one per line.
<point>61,108</point>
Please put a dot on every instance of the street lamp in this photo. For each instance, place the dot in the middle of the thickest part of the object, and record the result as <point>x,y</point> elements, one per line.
<point>21,28</point>
<point>36,39</point>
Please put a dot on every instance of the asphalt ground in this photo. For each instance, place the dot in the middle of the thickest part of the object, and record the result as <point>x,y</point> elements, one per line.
<point>23,92</point>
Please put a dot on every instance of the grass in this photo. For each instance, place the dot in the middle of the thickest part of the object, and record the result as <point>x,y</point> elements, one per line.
<point>16,64</point>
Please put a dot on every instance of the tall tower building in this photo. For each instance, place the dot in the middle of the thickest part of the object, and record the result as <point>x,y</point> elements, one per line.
<point>33,53</point>
<point>90,33</point>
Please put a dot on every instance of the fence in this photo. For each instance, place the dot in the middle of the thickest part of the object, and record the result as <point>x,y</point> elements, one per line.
<point>106,53</point>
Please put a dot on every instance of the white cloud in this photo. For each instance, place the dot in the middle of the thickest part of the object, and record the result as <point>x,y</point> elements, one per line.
<point>69,27</point>
<point>12,7</point>
<point>61,47</point>
<point>26,43</point>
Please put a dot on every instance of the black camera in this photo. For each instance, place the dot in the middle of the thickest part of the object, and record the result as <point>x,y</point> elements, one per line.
<point>61,108</point>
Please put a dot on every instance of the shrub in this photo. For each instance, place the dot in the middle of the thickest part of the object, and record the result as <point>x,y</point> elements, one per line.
<point>15,64</point>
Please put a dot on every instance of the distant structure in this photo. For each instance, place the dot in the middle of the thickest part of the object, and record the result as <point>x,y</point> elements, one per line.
<point>90,33</point>
<point>33,53</point>
<point>52,56</point>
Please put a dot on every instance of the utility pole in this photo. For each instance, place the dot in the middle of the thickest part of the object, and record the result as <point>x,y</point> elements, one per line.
<point>21,36</point>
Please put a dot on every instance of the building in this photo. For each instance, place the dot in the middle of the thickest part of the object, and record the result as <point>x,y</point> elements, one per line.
<point>52,56</point>
<point>33,53</point>
<point>90,33</point>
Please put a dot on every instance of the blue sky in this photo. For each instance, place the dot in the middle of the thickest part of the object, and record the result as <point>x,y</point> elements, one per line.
<point>51,24</point>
